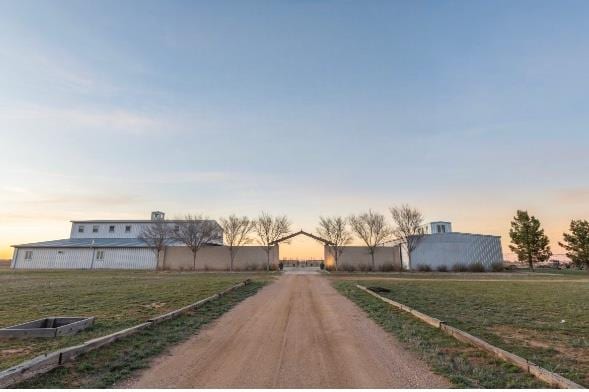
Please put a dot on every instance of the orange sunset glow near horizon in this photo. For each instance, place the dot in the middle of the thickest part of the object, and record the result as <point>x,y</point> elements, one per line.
<point>46,226</point>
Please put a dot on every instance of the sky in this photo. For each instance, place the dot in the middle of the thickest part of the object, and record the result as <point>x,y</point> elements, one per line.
<point>468,110</point>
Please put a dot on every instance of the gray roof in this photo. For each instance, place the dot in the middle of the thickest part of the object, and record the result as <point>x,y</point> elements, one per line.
<point>87,243</point>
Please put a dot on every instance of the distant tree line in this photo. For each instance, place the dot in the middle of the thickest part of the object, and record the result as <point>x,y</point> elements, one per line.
<point>528,240</point>
<point>196,231</point>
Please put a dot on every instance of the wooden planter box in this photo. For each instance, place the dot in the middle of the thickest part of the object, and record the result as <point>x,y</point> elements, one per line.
<point>49,327</point>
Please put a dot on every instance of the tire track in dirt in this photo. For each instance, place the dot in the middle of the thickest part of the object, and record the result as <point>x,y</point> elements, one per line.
<point>297,332</point>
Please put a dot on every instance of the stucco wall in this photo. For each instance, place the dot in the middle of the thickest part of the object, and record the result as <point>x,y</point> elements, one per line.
<point>216,258</point>
<point>359,256</point>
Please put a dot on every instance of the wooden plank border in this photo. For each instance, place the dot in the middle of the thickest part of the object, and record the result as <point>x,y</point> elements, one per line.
<point>46,362</point>
<point>553,379</point>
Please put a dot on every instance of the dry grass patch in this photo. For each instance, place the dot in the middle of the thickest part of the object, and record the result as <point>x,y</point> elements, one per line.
<point>543,321</point>
<point>118,299</point>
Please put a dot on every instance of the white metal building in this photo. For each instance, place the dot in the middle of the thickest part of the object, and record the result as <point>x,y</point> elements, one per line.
<point>95,244</point>
<point>439,245</point>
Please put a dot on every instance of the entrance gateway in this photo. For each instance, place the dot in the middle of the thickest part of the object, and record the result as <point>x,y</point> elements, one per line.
<point>296,264</point>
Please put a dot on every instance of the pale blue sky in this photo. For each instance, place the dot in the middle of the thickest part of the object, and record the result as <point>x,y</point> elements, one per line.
<point>467,109</point>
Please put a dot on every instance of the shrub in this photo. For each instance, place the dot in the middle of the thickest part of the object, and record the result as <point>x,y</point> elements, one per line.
<point>254,267</point>
<point>347,268</point>
<point>280,266</point>
<point>476,267</point>
<point>424,268</point>
<point>388,267</point>
<point>459,267</point>
<point>365,267</point>
<point>273,267</point>
<point>322,265</point>
<point>442,268</point>
<point>497,266</point>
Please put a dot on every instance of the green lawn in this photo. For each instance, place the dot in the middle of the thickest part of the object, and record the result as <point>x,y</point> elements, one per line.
<point>544,319</point>
<point>118,299</point>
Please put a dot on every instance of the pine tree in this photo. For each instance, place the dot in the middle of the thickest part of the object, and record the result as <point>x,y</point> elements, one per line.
<point>528,239</point>
<point>577,243</point>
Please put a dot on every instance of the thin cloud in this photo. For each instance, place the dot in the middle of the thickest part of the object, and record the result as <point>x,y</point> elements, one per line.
<point>35,116</point>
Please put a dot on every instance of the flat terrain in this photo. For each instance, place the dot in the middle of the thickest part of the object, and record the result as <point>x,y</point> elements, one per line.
<point>296,332</point>
<point>110,364</point>
<point>543,317</point>
<point>118,299</point>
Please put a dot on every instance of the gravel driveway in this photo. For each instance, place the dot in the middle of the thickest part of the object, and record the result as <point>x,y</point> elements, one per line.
<point>296,332</point>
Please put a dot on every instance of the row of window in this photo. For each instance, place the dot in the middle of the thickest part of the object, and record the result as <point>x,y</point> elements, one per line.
<point>95,228</point>
<point>29,254</point>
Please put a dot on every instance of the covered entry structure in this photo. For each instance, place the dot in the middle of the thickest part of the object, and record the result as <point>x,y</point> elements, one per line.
<point>308,251</point>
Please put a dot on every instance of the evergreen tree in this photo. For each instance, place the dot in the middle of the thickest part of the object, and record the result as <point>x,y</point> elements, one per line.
<point>528,239</point>
<point>577,243</point>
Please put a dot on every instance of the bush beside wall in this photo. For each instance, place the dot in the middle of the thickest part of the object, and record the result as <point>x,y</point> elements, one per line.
<point>459,267</point>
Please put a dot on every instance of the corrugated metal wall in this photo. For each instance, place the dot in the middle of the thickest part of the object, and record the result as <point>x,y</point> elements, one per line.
<point>451,248</point>
<point>85,258</point>
<point>51,258</point>
<point>119,258</point>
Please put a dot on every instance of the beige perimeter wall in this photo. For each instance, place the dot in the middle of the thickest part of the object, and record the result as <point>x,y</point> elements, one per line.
<point>359,256</point>
<point>216,258</point>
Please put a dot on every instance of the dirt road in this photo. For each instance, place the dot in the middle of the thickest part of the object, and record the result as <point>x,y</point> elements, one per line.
<point>296,332</point>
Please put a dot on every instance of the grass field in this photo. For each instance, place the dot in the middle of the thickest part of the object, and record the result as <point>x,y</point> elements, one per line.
<point>118,299</point>
<point>113,364</point>
<point>544,318</point>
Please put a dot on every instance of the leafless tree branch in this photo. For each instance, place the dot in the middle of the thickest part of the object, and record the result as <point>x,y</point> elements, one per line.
<point>408,227</point>
<point>371,228</point>
<point>270,229</point>
<point>236,230</point>
<point>156,235</point>
<point>196,232</point>
<point>334,229</point>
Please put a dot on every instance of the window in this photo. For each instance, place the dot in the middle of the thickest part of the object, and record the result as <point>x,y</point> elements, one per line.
<point>28,255</point>
<point>60,252</point>
<point>99,255</point>
<point>111,229</point>
<point>80,229</point>
<point>443,228</point>
<point>95,229</point>
<point>127,229</point>
<point>176,228</point>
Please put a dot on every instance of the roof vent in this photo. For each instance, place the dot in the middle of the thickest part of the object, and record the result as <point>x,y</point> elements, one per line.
<point>157,215</point>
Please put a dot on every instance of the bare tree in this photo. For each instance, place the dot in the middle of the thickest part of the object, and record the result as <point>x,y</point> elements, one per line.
<point>156,235</point>
<point>408,228</point>
<point>236,231</point>
<point>196,232</point>
<point>334,229</point>
<point>269,229</point>
<point>372,228</point>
